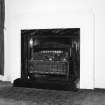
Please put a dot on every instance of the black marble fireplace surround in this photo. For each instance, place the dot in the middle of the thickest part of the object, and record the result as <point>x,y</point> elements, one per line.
<point>50,58</point>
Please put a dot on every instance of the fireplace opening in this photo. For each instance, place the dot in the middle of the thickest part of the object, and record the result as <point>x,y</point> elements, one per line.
<point>51,55</point>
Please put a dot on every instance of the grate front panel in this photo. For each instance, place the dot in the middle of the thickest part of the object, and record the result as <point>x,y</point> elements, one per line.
<point>48,67</point>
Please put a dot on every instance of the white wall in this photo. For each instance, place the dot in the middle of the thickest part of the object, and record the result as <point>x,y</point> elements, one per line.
<point>58,13</point>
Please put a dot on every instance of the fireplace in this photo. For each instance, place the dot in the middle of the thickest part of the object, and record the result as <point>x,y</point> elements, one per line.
<point>50,56</point>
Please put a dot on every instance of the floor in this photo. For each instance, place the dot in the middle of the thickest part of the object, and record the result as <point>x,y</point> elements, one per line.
<point>10,95</point>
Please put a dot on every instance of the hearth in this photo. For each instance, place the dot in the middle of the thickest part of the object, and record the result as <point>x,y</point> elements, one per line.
<point>50,57</point>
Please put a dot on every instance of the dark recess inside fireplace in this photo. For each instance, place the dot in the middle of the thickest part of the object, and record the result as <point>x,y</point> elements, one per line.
<point>50,56</point>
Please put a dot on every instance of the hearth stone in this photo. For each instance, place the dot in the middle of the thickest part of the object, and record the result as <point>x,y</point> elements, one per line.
<point>42,84</point>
